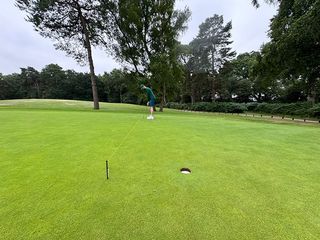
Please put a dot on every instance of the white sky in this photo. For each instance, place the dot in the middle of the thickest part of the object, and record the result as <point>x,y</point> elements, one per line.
<point>21,46</point>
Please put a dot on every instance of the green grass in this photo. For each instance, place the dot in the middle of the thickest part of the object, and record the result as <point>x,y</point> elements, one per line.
<point>250,179</point>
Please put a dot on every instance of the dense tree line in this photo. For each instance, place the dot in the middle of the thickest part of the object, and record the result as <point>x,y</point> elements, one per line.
<point>287,69</point>
<point>52,82</point>
<point>142,35</point>
<point>246,79</point>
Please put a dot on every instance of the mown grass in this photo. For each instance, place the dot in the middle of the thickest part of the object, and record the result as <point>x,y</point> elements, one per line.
<point>250,179</point>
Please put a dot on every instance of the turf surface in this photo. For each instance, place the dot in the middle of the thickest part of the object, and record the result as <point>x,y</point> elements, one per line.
<point>250,179</point>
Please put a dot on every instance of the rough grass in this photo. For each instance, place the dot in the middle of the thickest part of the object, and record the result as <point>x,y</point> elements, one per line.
<point>250,179</point>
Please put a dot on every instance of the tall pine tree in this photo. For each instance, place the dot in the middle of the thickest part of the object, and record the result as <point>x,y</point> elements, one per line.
<point>74,25</point>
<point>211,48</point>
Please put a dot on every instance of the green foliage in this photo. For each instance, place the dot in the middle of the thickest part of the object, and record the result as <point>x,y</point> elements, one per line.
<point>61,22</point>
<point>75,26</point>
<point>61,84</point>
<point>315,111</point>
<point>301,109</point>
<point>211,48</point>
<point>146,35</point>
<point>31,82</point>
<point>119,87</point>
<point>226,107</point>
<point>236,80</point>
<point>294,50</point>
<point>203,59</point>
<point>167,73</point>
<point>286,70</point>
<point>52,82</point>
<point>180,106</point>
<point>256,2</point>
<point>11,87</point>
<point>143,28</point>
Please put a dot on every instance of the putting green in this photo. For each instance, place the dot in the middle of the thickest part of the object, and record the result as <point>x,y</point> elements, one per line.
<point>250,179</point>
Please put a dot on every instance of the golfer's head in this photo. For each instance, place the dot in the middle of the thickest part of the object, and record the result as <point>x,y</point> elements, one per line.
<point>142,86</point>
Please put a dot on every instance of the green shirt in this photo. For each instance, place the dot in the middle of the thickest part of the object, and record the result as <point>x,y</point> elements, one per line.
<point>150,94</point>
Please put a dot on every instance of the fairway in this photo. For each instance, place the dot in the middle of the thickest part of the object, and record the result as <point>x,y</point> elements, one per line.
<point>250,179</point>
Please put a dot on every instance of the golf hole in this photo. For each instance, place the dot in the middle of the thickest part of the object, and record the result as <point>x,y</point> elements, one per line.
<point>185,170</point>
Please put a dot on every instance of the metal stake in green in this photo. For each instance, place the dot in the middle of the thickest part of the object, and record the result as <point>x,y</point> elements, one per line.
<point>107,169</point>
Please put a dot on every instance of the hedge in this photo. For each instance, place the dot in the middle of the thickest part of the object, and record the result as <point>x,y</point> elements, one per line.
<point>302,109</point>
<point>226,107</point>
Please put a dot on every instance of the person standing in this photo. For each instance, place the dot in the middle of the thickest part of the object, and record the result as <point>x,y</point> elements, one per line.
<point>151,100</point>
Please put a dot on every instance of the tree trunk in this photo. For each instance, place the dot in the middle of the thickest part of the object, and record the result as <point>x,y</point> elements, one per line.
<point>192,91</point>
<point>312,97</point>
<point>38,89</point>
<point>161,106</point>
<point>163,98</point>
<point>90,59</point>
<point>312,90</point>
<point>213,94</point>
<point>192,99</point>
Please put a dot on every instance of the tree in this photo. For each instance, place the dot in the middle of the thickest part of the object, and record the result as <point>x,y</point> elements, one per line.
<point>146,34</point>
<point>53,78</point>
<point>186,86</point>
<point>74,25</point>
<point>211,48</point>
<point>77,86</point>
<point>11,87</point>
<point>31,82</point>
<point>167,73</point>
<point>235,79</point>
<point>294,49</point>
<point>115,84</point>
<point>256,2</point>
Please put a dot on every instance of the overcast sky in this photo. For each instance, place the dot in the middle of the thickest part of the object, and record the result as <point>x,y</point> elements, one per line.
<point>21,46</point>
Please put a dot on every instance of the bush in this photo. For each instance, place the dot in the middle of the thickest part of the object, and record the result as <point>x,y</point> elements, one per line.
<point>302,109</point>
<point>252,106</point>
<point>315,111</point>
<point>179,106</point>
<point>226,107</point>
<point>264,108</point>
